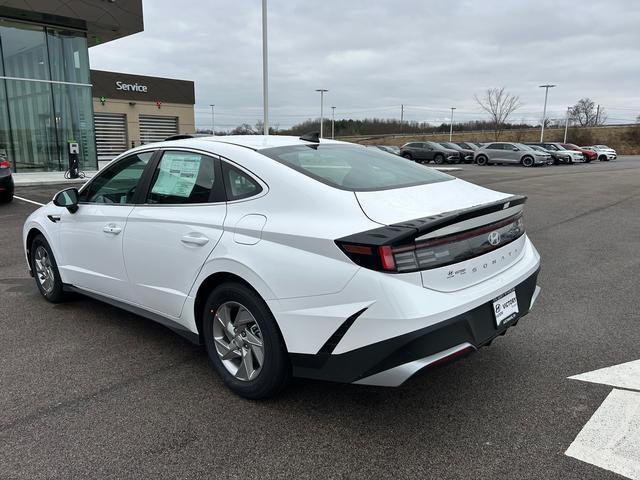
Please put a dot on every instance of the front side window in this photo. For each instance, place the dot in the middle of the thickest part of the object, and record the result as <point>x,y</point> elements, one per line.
<point>117,183</point>
<point>183,177</point>
<point>354,168</point>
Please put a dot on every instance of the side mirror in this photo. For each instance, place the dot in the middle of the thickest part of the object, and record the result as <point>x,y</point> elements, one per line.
<point>67,198</point>
<point>515,149</point>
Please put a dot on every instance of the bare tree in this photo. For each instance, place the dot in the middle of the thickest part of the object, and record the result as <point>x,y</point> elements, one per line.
<point>587,114</point>
<point>244,129</point>
<point>499,104</point>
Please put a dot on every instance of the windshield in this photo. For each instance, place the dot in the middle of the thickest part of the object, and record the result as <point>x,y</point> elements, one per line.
<point>450,145</point>
<point>353,167</point>
<point>571,146</point>
<point>522,146</point>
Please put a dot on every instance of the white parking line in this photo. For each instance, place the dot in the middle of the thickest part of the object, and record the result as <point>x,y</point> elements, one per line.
<point>611,438</point>
<point>625,375</point>
<point>28,201</point>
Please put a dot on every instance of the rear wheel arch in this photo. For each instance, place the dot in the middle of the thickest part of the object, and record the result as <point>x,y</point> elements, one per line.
<point>207,286</point>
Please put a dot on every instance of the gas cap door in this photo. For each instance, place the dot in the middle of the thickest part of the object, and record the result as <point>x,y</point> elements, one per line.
<point>248,230</point>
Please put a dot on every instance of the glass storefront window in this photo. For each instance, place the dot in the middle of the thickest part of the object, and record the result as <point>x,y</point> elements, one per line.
<point>24,50</point>
<point>32,129</point>
<point>74,122</point>
<point>5,143</point>
<point>45,96</point>
<point>69,56</point>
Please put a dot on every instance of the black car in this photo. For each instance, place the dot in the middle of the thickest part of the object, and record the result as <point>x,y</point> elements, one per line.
<point>466,153</point>
<point>558,153</point>
<point>6,181</point>
<point>423,152</point>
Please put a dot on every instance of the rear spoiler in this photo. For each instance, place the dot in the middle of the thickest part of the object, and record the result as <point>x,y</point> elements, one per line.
<point>403,232</point>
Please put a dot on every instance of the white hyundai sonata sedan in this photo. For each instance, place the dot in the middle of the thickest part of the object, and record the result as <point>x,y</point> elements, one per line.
<point>292,256</point>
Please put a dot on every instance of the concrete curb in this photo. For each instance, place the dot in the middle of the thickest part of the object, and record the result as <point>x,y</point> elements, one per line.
<point>47,178</point>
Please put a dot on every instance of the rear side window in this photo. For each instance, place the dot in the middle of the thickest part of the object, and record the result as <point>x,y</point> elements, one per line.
<point>183,177</point>
<point>355,168</point>
<point>495,146</point>
<point>239,185</point>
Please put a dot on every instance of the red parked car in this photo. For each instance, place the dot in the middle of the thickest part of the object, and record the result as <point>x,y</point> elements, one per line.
<point>589,155</point>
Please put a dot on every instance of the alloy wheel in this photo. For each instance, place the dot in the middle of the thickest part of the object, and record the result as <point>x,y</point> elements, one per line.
<point>238,341</point>
<point>44,269</point>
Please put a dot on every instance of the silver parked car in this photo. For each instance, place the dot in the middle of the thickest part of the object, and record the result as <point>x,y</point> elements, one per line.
<point>507,152</point>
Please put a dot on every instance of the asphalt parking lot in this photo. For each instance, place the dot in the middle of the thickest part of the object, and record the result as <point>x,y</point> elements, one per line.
<point>90,391</point>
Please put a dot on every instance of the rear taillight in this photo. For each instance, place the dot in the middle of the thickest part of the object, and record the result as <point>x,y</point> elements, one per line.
<point>424,254</point>
<point>369,256</point>
<point>5,164</point>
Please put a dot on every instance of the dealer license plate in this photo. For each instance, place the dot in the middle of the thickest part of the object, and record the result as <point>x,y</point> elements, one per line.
<point>505,307</point>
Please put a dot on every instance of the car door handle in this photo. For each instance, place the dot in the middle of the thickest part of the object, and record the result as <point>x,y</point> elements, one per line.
<point>112,228</point>
<point>198,240</point>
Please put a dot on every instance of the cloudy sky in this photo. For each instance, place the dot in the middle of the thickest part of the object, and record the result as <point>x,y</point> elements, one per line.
<point>374,56</point>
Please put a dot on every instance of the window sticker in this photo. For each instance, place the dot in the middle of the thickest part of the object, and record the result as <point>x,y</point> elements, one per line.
<point>177,175</point>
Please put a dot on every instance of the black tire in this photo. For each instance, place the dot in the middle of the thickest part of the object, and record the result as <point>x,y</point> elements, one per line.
<point>407,155</point>
<point>603,158</point>
<point>438,159</point>
<point>275,372</point>
<point>482,160</point>
<point>6,198</point>
<point>56,294</point>
<point>527,161</point>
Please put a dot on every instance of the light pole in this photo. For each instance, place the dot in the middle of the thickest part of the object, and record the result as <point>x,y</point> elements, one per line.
<point>544,112</point>
<point>213,120</point>
<point>321,90</point>
<point>451,126</point>
<point>265,70</point>
<point>566,124</point>
<point>333,123</point>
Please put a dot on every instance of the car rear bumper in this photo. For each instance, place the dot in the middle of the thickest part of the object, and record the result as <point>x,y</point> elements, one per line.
<point>391,362</point>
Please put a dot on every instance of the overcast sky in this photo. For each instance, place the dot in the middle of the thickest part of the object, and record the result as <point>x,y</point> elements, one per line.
<point>374,56</point>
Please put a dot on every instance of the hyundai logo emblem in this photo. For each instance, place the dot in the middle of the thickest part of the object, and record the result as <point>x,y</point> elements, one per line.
<point>494,237</point>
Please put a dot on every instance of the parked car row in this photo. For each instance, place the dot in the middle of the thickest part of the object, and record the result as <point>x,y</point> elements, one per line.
<point>527,154</point>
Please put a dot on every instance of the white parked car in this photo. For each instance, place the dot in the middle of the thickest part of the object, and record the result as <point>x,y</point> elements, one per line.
<point>288,256</point>
<point>604,153</point>
<point>510,152</point>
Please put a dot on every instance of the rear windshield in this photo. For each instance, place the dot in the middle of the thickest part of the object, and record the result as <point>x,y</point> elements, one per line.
<point>355,168</point>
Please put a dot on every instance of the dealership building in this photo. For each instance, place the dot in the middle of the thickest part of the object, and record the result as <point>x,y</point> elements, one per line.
<point>48,95</point>
<point>132,110</point>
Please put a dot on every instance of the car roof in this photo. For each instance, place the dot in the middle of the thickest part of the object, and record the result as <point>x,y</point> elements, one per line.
<point>254,142</point>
